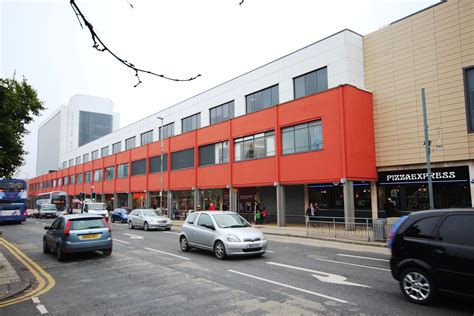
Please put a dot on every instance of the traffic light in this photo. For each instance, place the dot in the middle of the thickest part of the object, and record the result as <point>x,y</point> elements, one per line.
<point>93,196</point>
<point>82,196</point>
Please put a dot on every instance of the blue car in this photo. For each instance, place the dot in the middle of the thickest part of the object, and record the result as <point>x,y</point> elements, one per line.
<point>120,215</point>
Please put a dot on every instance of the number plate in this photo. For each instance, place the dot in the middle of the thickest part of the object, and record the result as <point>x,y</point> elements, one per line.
<point>90,236</point>
<point>254,245</point>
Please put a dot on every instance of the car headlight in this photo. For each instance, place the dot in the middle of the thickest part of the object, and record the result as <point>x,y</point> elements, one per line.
<point>232,238</point>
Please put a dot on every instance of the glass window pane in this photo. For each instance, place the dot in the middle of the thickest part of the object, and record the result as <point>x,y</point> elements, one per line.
<point>457,229</point>
<point>270,144</point>
<point>225,152</point>
<point>275,95</point>
<point>310,83</point>
<point>258,101</point>
<point>139,167</point>
<point>299,87</point>
<point>206,155</point>
<point>316,137</point>
<point>322,79</point>
<point>225,111</point>
<point>248,149</point>
<point>238,151</point>
<point>288,142</point>
<point>301,138</point>
<point>267,98</point>
<point>250,103</point>
<point>259,147</point>
<point>182,159</point>
<point>218,153</point>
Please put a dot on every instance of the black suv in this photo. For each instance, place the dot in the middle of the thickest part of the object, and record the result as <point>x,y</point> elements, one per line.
<point>434,251</point>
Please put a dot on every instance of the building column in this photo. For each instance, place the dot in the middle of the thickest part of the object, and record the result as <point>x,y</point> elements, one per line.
<point>115,201</point>
<point>349,208</point>
<point>130,200</point>
<point>232,199</point>
<point>281,211</point>
<point>102,198</point>
<point>471,177</point>
<point>170,203</point>
<point>147,199</point>
<point>197,195</point>
<point>374,199</point>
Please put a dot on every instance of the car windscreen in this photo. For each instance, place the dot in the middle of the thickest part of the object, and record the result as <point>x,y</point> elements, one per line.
<point>149,213</point>
<point>96,206</point>
<point>11,186</point>
<point>230,220</point>
<point>87,223</point>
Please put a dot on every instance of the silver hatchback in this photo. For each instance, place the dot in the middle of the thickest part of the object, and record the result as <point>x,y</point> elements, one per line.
<point>224,233</point>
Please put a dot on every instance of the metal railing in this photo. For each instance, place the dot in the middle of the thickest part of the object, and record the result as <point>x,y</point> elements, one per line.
<point>354,228</point>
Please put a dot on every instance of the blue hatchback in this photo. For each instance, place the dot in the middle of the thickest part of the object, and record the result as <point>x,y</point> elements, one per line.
<point>120,215</point>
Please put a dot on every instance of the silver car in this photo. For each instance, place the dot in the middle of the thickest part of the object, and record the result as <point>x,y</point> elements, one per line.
<point>148,219</point>
<point>224,233</point>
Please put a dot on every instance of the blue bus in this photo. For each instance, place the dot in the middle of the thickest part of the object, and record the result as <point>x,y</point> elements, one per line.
<point>13,200</point>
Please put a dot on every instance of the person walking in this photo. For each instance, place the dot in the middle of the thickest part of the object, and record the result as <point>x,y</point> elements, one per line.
<point>212,207</point>
<point>264,215</point>
<point>389,208</point>
<point>310,212</point>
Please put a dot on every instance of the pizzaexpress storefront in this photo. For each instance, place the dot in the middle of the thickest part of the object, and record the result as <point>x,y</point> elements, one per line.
<point>408,189</point>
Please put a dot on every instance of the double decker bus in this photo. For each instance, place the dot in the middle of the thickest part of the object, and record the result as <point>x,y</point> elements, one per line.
<point>13,200</point>
<point>57,198</point>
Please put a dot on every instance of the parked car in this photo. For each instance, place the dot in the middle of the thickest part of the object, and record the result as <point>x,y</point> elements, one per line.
<point>95,208</point>
<point>47,210</point>
<point>433,251</point>
<point>29,212</point>
<point>77,233</point>
<point>148,219</point>
<point>120,215</point>
<point>224,233</point>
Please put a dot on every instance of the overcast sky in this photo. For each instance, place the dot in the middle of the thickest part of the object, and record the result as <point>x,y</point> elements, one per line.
<point>43,41</point>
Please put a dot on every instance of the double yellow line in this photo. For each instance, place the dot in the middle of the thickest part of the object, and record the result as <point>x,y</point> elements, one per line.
<point>45,280</point>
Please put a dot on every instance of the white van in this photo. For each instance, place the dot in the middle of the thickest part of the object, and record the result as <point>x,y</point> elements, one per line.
<point>95,208</point>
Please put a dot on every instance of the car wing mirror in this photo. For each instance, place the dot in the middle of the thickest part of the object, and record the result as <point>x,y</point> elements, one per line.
<point>47,227</point>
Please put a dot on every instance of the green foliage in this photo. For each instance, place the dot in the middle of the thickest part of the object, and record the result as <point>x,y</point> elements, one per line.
<point>18,105</point>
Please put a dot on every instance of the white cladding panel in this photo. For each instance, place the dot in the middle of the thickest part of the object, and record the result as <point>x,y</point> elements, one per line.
<point>48,151</point>
<point>341,53</point>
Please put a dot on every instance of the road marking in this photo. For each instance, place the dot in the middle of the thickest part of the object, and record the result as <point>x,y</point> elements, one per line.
<point>270,251</point>
<point>352,264</point>
<point>360,257</point>
<point>125,242</point>
<point>133,236</point>
<point>35,300</point>
<point>323,276</point>
<point>172,233</point>
<point>167,253</point>
<point>42,309</point>
<point>290,287</point>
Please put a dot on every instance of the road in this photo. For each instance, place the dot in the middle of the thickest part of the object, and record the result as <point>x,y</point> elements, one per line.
<point>148,274</point>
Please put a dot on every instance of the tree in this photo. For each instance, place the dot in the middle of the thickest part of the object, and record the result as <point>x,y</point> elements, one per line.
<point>19,104</point>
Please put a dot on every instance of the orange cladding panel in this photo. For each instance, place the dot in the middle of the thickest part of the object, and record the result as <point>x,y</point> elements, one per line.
<point>154,181</point>
<point>183,141</point>
<point>213,133</point>
<point>216,176</point>
<point>138,153</point>
<point>123,157</point>
<point>182,179</point>
<point>122,185</point>
<point>254,123</point>
<point>138,183</point>
<point>108,186</point>
<point>254,172</point>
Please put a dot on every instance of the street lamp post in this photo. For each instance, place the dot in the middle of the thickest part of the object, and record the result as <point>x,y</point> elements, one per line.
<point>161,164</point>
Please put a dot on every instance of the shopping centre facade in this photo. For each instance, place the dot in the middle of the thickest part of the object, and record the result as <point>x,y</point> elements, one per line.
<point>338,122</point>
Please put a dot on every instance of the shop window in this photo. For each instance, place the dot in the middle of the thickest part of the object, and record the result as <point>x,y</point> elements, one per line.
<point>310,83</point>
<point>122,170</point>
<point>182,159</point>
<point>97,175</point>
<point>116,147</point>
<point>130,143</point>
<point>88,177</point>
<point>104,151</point>
<point>109,173</point>
<point>95,154</point>
<point>139,167</point>
<point>262,99</point>
<point>155,164</point>
<point>302,138</point>
<point>221,113</point>
<point>214,154</point>
<point>255,146</point>
<point>191,123</point>
<point>146,138</point>
<point>168,131</point>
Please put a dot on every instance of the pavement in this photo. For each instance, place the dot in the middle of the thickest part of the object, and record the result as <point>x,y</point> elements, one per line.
<point>11,283</point>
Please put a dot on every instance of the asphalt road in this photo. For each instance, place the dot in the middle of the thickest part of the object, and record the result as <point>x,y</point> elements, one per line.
<point>148,274</point>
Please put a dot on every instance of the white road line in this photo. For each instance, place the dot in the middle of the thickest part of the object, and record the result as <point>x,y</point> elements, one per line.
<point>42,309</point>
<point>289,286</point>
<point>125,242</point>
<point>133,236</point>
<point>167,253</point>
<point>172,233</point>
<point>35,300</point>
<point>360,257</point>
<point>270,251</point>
<point>351,264</point>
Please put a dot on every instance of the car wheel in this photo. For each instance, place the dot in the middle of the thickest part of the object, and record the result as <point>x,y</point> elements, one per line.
<point>107,252</point>
<point>145,226</point>
<point>183,244</point>
<point>219,250</point>
<point>59,253</point>
<point>417,286</point>
<point>130,225</point>
<point>45,248</point>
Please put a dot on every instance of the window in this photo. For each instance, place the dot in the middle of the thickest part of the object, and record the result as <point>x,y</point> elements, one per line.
<point>64,164</point>
<point>78,160</point>
<point>116,147</point>
<point>222,112</point>
<point>130,143</point>
<point>255,146</point>
<point>85,158</point>
<point>109,173</point>
<point>168,131</point>
<point>146,138</point>
<point>214,154</point>
<point>155,164</point>
<point>79,178</point>
<point>97,175</point>
<point>138,167</point>
<point>191,123</point>
<point>65,180</point>
<point>104,151</point>
<point>71,179</point>
<point>262,99</point>
<point>60,180</point>
<point>122,171</point>
<point>302,138</point>
<point>87,177</point>
<point>457,229</point>
<point>469,92</point>
<point>313,82</point>
<point>71,162</point>
<point>191,218</point>
<point>424,228</point>
<point>182,159</point>
<point>205,221</point>
<point>95,154</point>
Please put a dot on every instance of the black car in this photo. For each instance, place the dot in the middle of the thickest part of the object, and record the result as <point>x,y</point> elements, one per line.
<point>433,251</point>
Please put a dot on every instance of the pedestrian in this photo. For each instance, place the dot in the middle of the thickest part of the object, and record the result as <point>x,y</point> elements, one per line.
<point>258,216</point>
<point>69,210</point>
<point>310,212</point>
<point>264,215</point>
<point>212,207</point>
<point>389,208</point>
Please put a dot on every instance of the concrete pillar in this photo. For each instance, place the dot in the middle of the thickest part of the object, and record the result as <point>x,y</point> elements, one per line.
<point>232,199</point>
<point>471,176</point>
<point>130,200</point>
<point>147,199</point>
<point>102,198</point>
<point>115,201</point>
<point>170,203</point>
<point>281,211</point>
<point>349,208</point>
<point>197,196</point>
<point>374,199</point>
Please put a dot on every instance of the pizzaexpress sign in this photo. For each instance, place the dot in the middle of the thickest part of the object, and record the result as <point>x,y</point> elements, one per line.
<point>453,174</point>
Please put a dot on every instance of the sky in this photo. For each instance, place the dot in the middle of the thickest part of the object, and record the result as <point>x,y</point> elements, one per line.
<point>219,39</point>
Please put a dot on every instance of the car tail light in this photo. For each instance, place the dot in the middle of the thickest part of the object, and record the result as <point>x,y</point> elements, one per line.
<point>394,230</point>
<point>106,224</point>
<point>67,228</point>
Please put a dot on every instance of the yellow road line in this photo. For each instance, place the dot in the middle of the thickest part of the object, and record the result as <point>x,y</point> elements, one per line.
<point>45,280</point>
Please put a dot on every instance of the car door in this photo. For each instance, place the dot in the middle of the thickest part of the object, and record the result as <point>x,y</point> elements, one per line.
<point>454,252</point>
<point>189,228</point>
<point>205,231</point>
<point>51,234</point>
<point>139,219</point>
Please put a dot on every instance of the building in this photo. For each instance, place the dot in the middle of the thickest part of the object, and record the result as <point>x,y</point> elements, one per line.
<point>338,122</point>
<point>83,120</point>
